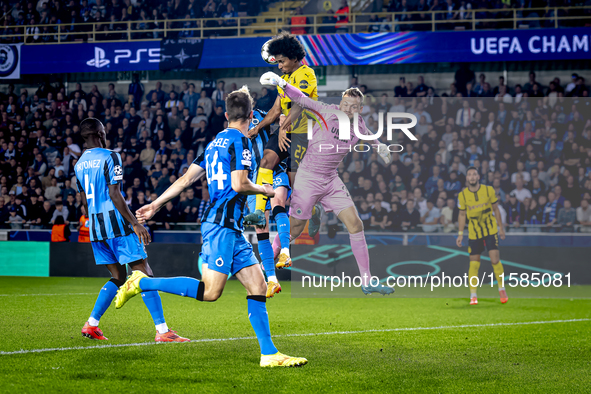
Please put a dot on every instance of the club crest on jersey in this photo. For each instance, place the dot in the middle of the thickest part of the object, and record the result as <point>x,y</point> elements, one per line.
<point>299,211</point>
<point>219,262</point>
<point>303,84</point>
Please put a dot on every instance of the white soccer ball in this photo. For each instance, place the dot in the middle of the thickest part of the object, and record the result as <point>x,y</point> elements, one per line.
<point>266,55</point>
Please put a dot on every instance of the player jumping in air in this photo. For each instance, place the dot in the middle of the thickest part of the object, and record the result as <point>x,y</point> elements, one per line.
<point>289,53</point>
<point>115,234</point>
<point>227,161</point>
<point>317,180</point>
<point>277,204</point>
<point>478,202</point>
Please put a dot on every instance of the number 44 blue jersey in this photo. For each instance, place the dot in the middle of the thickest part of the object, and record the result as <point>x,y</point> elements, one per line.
<point>96,169</point>
<point>229,151</point>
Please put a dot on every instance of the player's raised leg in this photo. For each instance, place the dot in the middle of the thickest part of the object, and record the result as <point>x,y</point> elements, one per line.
<point>254,283</point>
<point>354,225</point>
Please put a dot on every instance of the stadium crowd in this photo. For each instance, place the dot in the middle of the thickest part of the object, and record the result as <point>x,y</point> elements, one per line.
<point>146,17</point>
<point>532,143</point>
<point>110,17</point>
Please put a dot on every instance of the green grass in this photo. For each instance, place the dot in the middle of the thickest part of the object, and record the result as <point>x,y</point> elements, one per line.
<point>554,357</point>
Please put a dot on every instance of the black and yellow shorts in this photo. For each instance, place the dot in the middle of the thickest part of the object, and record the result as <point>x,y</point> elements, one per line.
<point>477,246</point>
<point>294,154</point>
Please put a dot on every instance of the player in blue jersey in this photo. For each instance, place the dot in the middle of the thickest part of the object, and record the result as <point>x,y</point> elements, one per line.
<point>276,204</point>
<point>227,161</point>
<point>115,234</point>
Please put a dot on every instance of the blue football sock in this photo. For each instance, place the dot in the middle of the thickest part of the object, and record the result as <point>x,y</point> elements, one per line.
<point>259,319</point>
<point>104,299</point>
<point>266,253</point>
<point>182,285</point>
<point>154,305</point>
<point>283,228</point>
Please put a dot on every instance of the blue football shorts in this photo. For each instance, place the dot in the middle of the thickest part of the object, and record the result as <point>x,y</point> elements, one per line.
<point>225,250</point>
<point>122,250</point>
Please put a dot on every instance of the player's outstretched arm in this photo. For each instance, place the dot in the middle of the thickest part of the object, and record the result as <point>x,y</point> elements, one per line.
<point>193,174</point>
<point>243,185</point>
<point>121,206</point>
<point>270,78</point>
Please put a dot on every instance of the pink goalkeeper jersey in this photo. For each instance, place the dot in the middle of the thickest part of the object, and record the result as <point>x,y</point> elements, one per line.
<point>325,149</point>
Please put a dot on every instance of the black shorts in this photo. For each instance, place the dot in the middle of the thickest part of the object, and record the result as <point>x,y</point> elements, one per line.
<point>477,246</point>
<point>299,146</point>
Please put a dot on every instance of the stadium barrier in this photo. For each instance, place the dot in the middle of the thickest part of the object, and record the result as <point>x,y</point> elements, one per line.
<point>177,253</point>
<point>355,22</point>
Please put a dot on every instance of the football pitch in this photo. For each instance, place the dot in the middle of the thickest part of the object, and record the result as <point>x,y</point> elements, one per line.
<point>372,344</point>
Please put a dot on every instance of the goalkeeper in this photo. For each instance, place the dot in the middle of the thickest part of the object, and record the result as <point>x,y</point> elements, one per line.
<point>317,179</point>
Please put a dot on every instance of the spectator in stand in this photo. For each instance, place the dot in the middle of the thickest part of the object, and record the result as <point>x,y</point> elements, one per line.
<point>449,216</point>
<point>190,100</point>
<point>160,95</point>
<point>566,218</point>
<point>584,216</point>
<point>430,218</point>
<point>60,232</point>
<point>410,217</point>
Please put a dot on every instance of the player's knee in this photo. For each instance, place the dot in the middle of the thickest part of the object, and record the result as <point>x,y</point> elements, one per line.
<point>356,226</point>
<point>211,295</point>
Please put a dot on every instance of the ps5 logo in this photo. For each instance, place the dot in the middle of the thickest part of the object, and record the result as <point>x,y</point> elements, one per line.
<point>100,59</point>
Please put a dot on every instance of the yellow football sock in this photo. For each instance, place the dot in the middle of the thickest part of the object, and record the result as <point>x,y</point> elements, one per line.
<point>473,271</point>
<point>265,176</point>
<point>498,268</point>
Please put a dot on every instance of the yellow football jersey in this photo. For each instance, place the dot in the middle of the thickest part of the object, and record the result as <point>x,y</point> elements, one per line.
<point>478,207</point>
<point>304,79</point>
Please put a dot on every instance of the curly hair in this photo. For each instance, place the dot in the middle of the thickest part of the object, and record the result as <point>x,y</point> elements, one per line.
<point>287,45</point>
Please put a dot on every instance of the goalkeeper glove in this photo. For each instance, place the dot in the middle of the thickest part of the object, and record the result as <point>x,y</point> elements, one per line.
<point>270,78</point>
<point>384,153</point>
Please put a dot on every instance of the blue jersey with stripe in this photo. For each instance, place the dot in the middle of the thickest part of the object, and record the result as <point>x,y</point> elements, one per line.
<point>259,142</point>
<point>229,151</point>
<point>96,169</point>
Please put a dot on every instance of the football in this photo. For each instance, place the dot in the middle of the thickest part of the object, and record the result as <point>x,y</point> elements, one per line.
<point>266,55</point>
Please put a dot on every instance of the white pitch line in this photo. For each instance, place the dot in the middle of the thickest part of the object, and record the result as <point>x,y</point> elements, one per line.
<point>295,335</point>
<point>41,295</point>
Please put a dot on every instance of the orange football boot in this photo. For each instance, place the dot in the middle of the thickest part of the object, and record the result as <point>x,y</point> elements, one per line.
<point>93,332</point>
<point>170,336</point>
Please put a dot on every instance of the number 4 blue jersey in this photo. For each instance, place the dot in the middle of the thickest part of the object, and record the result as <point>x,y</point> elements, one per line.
<point>96,169</point>
<point>229,151</point>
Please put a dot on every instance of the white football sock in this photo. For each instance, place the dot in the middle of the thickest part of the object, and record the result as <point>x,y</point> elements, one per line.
<point>285,251</point>
<point>93,322</point>
<point>473,295</point>
<point>273,279</point>
<point>162,328</point>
